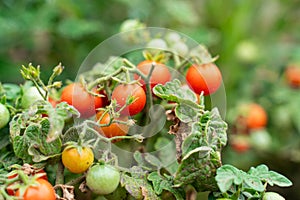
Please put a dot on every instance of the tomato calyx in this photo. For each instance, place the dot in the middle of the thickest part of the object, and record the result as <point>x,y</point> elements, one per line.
<point>22,174</point>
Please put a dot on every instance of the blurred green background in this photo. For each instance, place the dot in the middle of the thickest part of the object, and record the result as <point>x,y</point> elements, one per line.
<point>255,40</point>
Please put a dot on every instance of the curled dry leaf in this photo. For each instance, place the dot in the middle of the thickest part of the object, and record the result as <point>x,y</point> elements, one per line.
<point>68,192</point>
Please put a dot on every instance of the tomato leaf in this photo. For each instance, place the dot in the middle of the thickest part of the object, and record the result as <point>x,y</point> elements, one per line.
<point>186,113</point>
<point>32,144</point>
<point>138,186</point>
<point>271,177</point>
<point>227,175</point>
<point>57,118</point>
<point>173,91</point>
<point>187,109</point>
<point>161,183</point>
<point>201,153</point>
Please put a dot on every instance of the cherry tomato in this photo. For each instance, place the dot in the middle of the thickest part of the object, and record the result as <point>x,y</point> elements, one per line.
<point>4,115</point>
<point>77,160</point>
<point>102,179</point>
<point>12,192</point>
<point>43,190</point>
<point>160,73</point>
<point>292,74</point>
<point>256,116</point>
<point>75,95</point>
<point>30,96</point>
<point>114,129</point>
<point>240,143</point>
<point>204,77</point>
<point>125,91</point>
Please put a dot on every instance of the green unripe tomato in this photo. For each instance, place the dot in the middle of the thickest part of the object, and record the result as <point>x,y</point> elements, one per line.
<point>102,179</point>
<point>30,96</point>
<point>4,115</point>
<point>272,196</point>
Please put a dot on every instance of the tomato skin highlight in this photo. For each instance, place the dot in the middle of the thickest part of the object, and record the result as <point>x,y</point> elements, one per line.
<point>103,179</point>
<point>204,77</point>
<point>75,95</point>
<point>44,190</point>
<point>124,91</point>
<point>77,162</point>
<point>160,73</point>
<point>114,129</point>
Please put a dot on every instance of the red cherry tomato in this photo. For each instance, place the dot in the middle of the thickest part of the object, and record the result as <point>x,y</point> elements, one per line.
<point>75,95</point>
<point>240,143</point>
<point>124,91</point>
<point>38,171</point>
<point>160,73</point>
<point>204,77</point>
<point>43,190</point>
<point>292,74</point>
<point>256,116</point>
<point>114,129</point>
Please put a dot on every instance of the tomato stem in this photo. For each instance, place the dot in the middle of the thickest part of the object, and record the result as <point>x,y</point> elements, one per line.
<point>59,176</point>
<point>76,180</point>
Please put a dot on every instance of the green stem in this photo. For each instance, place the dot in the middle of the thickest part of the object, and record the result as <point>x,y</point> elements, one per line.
<point>5,195</point>
<point>59,176</point>
<point>39,90</point>
<point>76,180</point>
<point>106,78</point>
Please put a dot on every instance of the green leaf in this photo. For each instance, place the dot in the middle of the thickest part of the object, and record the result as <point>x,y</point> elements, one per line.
<point>271,177</point>
<point>278,179</point>
<point>161,183</point>
<point>57,118</point>
<point>138,187</point>
<point>201,152</point>
<point>166,152</point>
<point>153,160</point>
<point>227,176</point>
<point>186,113</point>
<point>173,91</point>
<point>138,158</point>
<point>253,182</point>
<point>32,144</point>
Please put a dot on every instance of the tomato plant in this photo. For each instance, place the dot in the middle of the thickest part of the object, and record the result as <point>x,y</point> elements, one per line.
<point>75,95</point>
<point>77,159</point>
<point>102,179</point>
<point>109,128</point>
<point>131,98</point>
<point>4,113</point>
<point>42,189</point>
<point>160,73</point>
<point>205,78</point>
<point>170,141</point>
